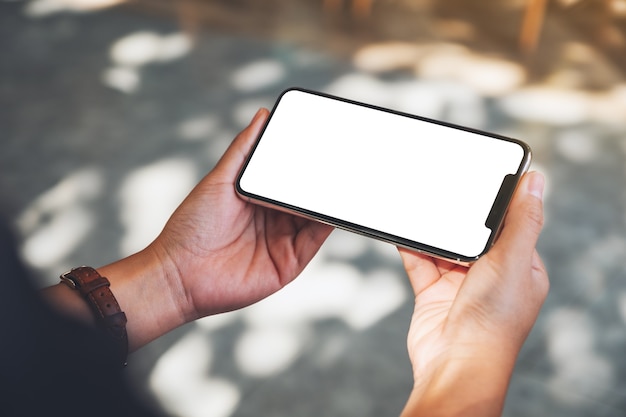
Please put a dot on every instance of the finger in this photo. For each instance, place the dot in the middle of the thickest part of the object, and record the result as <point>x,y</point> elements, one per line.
<point>421,269</point>
<point>309,239</point>
<point>233,159</point>
<point>292,241</point>
<point>523,222</point>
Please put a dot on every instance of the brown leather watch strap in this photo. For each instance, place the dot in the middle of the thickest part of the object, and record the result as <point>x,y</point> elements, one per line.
<point>109,316</point>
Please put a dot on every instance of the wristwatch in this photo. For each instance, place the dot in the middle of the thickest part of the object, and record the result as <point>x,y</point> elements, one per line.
<point>95,289</point>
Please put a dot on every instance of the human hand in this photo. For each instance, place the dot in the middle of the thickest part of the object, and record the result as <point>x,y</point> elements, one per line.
<point>216,253</point>
<point>224,253</point>
<point>470,323</point>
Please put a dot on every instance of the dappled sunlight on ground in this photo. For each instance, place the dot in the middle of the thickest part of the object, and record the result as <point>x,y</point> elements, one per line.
<point>138,49</point>
<point>148,196</point>
<point>580,371</point>
<point>133,111</point>
<point>43,8</point>
<point>180,380</point>
<point>258,75</point>
<point>443,61</point>
<point>65,207</point>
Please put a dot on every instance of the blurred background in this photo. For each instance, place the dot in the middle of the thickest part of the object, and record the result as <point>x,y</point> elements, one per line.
<point>111,110</point>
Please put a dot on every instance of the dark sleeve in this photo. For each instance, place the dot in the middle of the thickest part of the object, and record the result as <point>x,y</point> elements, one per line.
<point>50,365</point>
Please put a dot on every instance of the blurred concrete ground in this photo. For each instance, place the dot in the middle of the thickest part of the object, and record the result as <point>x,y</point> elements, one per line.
<point>110,115</point>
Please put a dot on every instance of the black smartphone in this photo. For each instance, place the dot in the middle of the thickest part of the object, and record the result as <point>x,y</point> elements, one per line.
<point>418,183</point>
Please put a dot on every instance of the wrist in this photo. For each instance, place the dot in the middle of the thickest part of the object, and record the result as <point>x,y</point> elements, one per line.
<point>69,303</point>
<point>146,294</point>
<point>463,385</point>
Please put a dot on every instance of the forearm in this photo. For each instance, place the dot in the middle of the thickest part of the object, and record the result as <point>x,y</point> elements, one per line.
<point>143,290</point>
<point>461,389</point>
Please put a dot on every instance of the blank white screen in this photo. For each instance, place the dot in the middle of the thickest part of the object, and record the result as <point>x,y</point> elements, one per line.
<point>425,182</point>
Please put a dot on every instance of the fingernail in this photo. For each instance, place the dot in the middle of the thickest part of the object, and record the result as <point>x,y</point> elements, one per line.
<point>536,185</point>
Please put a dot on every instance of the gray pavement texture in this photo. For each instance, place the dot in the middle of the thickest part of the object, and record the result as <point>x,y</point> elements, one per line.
<point>109,117</point>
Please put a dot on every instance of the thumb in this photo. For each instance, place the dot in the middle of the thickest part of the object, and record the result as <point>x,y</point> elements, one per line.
<point>231,162</point>
<point>523,222</point>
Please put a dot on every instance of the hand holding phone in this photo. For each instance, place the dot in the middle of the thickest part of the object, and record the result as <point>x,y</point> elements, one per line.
<point>422,184</point>
<point>464,354</point>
